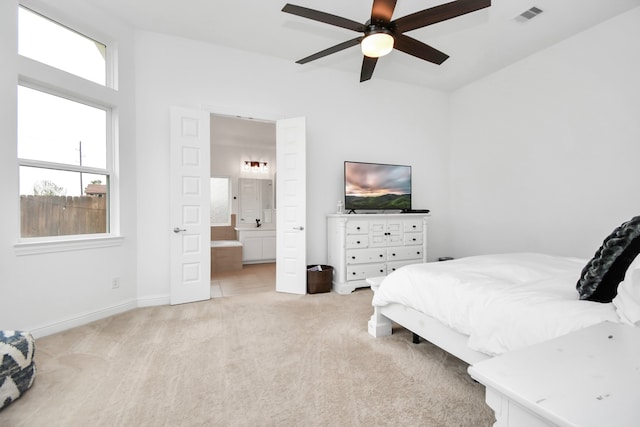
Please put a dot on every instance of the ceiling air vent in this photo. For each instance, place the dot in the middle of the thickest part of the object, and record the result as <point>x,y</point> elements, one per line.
<point>528,14</point>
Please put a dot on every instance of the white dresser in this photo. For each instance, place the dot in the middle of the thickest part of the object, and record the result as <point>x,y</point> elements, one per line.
<point>361,246</point>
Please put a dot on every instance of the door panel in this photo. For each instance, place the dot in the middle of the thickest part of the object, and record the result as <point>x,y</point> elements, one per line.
<point>291,270</point>
<point>190,206</point>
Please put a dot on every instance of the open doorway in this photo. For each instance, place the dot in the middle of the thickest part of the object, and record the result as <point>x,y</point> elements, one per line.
<point>243,152</point>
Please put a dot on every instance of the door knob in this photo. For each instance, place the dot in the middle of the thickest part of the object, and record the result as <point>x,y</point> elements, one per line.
<point>178,229</point>
<point>299,228</point>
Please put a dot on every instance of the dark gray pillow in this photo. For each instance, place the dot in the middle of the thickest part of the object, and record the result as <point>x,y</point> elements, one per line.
<point>602,274</point>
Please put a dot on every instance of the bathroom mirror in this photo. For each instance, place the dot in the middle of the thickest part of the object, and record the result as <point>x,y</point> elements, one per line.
<point>255,201</point>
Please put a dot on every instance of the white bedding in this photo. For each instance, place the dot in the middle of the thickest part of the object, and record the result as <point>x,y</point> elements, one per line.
<point>503,302</point>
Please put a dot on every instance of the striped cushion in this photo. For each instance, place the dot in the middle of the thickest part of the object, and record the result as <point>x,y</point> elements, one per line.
<point>18,369</point>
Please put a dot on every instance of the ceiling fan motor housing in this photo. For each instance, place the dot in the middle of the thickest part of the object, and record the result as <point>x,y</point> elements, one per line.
<point>377,29</point>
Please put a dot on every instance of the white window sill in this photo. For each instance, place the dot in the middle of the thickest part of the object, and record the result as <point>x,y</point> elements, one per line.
<point>75,244</point>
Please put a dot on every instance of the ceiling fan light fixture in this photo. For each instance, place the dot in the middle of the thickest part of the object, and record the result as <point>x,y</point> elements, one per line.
<point>377,44</point>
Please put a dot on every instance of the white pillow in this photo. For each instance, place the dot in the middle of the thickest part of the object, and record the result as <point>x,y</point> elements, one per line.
<point>627,302</point>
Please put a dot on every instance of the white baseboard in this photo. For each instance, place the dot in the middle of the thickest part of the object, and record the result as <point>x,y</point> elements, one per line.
<point>82,319</point>
<point>153,301</point>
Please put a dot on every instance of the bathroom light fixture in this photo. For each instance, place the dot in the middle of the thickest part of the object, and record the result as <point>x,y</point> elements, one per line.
<point>255,166</point>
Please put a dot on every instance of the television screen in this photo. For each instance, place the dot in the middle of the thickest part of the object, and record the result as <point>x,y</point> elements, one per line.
<point>373,186</point>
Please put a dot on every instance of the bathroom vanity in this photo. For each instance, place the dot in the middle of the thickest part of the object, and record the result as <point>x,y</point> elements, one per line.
<point>258,244</point>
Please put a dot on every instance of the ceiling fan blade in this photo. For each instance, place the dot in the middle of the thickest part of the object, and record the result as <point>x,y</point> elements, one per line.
<point>368,65</point>
<point>382,11</point>
<point>418,49</point>
<point>327,18</point>
<point>438,14</point>
<point>329,51</point>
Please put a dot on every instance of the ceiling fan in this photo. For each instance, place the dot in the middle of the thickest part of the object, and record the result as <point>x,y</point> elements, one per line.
<point>381,34</point>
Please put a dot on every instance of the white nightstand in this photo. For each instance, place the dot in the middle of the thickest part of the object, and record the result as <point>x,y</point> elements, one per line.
<point>586,378</point>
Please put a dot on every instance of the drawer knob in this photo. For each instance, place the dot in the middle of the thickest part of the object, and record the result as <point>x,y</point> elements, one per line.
<point>414,226</point>
<point>354,273</point>
<point>358,242</point>
<point>418,252</point>
<point>353,257</point>
<point>393,254</point>
<point>357,228</point>
<point>381,255</point>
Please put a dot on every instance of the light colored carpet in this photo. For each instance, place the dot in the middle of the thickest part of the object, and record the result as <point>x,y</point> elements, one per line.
<point>264,359</point>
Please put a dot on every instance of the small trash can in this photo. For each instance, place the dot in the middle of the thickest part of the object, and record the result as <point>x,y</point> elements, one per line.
<point>319,278</point>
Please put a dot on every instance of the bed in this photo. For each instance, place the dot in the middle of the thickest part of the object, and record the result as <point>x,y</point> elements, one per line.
<point>482,306</point>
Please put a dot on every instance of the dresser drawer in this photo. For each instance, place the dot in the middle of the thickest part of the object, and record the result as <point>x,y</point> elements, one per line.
<point>361,272</point>
<point>357,241</point>
<point>393,266</point>
<point>363,256</point>
<point>357,227</point>
<point>404,253</point>
<point>412,225</point>
<point>412,239</point>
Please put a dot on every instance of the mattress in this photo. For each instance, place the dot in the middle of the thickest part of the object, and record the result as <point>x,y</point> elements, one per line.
<point>502,302</point>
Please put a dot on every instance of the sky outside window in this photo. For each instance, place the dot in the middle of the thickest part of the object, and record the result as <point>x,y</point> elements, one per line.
<point>58,130</point>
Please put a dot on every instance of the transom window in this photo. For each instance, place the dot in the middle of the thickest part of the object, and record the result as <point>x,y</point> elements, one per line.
<point>53,44</point>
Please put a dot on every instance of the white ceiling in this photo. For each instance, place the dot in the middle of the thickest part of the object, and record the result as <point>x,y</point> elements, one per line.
<point>478,43</point>
<point>242,132</point>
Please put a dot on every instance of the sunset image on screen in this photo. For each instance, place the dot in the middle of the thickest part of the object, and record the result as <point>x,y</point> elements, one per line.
<point>377,186</point>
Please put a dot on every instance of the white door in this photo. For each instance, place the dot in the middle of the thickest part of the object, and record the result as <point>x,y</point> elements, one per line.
<point>190,205</point>
<point>291,242</point>
<point>248,201</point>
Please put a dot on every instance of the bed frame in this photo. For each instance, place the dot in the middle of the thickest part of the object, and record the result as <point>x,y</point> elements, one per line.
<point>421,325</point>
<point>381,323</point>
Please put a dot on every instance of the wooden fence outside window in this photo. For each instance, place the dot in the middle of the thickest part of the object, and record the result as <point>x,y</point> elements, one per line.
<point>42,216</point>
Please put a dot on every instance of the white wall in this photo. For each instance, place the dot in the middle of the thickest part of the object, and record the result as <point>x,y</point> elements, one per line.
<point>545,152</point>
<point>376,121</point>
<point>53,291</point>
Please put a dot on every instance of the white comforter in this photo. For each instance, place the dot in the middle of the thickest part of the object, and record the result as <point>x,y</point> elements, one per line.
<point>503,302</point>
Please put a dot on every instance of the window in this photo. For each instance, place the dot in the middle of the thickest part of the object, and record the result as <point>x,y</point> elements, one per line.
<point>53,44</point>
<point>64,182</point>
<point>220,201</point>
<point>65,141</point>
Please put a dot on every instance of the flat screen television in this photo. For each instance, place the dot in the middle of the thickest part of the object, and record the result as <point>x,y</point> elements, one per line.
<point>375,186</point>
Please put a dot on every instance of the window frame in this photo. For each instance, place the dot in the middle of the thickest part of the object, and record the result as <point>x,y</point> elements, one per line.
<point>45,78</point>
